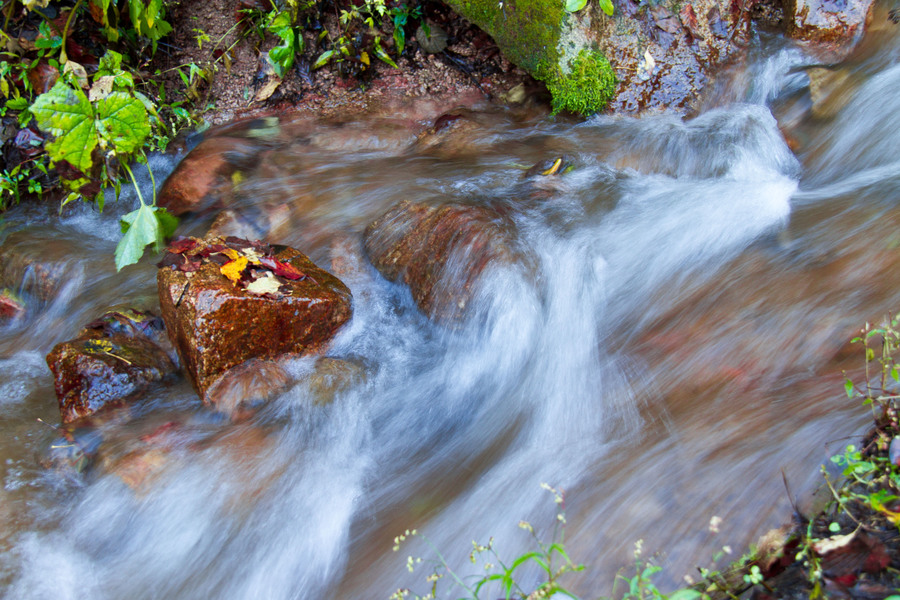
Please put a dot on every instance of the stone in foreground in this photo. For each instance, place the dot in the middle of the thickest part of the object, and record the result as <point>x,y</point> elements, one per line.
<point>226,301</point>
<point>111,361</point>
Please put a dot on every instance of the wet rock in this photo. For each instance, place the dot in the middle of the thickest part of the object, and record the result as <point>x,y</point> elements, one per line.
<point>452,135</point>
<point>240,389</point>
<point>11,305</point>
<point>106,365</point>
<point>440,252</point>
<point>333,376</point>
<point>217,322</point>
<point>37,264</point>
<point>833,25</point>
<point>203,179</point>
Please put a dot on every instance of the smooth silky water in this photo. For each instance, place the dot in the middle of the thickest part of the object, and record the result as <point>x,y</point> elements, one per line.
<point>671,352</point>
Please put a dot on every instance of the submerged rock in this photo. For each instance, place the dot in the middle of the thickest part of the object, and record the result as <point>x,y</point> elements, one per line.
<point>228,301</point>
<point>111,361</point>
<point>38,265</point>
<point>203,179</point>
<point>440,252</point>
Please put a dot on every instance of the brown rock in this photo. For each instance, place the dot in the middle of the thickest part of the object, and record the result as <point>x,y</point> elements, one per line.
<point>333,376</point>
<point>203,179</point>
<point>834,24</point>
<point>216,324</point>
<point>38,265</point>
<point>248,384</point>
<point>105,366</point>
<point>439,252</point>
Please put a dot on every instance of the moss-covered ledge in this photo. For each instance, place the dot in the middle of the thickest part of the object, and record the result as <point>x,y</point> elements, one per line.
<point>541,37</point>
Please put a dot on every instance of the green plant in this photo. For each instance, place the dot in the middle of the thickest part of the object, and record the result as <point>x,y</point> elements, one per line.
<point>577,5</point>
<point>95,134</point>
<point>640,586</point>
<point>551,558</point>
<point>879,390</point>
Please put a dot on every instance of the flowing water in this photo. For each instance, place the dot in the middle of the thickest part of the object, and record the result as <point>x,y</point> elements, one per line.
<point>672,353</point>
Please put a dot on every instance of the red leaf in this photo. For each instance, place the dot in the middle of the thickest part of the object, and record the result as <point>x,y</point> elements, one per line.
<point>182,245</point>
<point>211,249</point>
<point>283,269</point>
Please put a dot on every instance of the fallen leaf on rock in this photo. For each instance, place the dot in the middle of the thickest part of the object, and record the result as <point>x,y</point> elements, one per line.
<point>283,269</point>
<point>182,245</point>
<point>231,253</point>
<point>267,285</point>
<point>234,269</point>
<point>646,67</point>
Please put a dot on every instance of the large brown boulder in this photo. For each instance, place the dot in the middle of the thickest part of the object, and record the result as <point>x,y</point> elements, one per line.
<point>228,301</point>
<point>110,362</point>
<point>440,252</point>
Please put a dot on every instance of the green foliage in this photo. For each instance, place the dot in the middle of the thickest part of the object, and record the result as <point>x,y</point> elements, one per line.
<point>551,558</point>
<point>96,133</point>
<point>281,57</point>
<point>587,87</point>
<point>577,5</point>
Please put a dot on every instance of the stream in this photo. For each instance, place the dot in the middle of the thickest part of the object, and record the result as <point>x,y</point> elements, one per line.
<point>674,353</point>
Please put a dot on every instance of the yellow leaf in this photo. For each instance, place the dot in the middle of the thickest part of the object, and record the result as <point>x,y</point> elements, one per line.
<point>231,253</point>
<point>364,58</point>
<point>233,269</point>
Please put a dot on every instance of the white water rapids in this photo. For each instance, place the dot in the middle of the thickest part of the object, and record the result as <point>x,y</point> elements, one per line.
<point>677,345</point>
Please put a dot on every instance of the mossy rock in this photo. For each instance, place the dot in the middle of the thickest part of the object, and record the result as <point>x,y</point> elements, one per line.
<point>540,37</point>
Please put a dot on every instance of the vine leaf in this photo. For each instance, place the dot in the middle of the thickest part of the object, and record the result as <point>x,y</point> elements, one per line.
<point>67,113</point>
<point>142,227</point>
<point>575,5</point>
<point>122,120</point>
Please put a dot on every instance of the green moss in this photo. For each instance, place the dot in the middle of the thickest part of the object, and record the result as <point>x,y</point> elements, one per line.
<point>529,33</point>
<point>588,86</point>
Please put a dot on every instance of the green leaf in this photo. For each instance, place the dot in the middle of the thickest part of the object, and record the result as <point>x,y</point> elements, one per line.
<point>110,64</point>
<point>122,121</point>
<point>848,387</point>
<point>67,114</point>
<point>168,223</point>
<point>378,51</point>
<point>20,103</point>
<point>575,5</point>
<point>894,373</point>
<point>323,59</point>
<point>606,6</point>
<point>685,594</point>
<point>141,228</point>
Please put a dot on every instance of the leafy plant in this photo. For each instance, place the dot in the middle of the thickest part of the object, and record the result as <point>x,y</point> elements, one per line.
<point>95,133</point>
<point>551,558</point>
<point>577,5</point>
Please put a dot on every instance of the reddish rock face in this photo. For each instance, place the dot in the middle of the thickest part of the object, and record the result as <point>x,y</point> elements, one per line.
<point>835,24</point>
<point>203,178</point>
<point>107,364</point>
<point>217,323</point>
<point>439,252</point>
